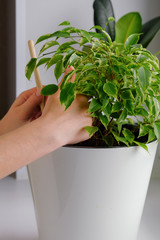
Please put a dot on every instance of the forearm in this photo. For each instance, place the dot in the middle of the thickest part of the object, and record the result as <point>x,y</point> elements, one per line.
<point>24,145</point>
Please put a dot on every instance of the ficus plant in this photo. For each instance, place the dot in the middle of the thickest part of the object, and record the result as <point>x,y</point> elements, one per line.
<point>121,79</point>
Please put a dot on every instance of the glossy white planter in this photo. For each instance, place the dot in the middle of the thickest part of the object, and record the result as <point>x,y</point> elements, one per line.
<point>91,194</point>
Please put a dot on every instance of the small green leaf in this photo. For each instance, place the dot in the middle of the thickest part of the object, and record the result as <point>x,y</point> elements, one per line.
<point>110,88</point>
<point>42,61</point>
<point>143,145</point>
<point>54,60</point>
<point>58,69</point>
<point>127,95</point>
<point>144,76</point>
<point>128,135</point>
<point>132,40</point>
<point>67,94</point>
<point>123,115</point>
<point>156,126</point>
<point>143,130</point>
<point>94,105</point>
<point>64,23</point>
<point>141,112</point>
<point>117,106</point>
<point>151,135</point>
<point>30,68</point>
<point>120,139</point>
<point>104,120</point>
<point>91,130</point>
<point>48,45</point>
<point>49,89</point>
<point>86,35</point>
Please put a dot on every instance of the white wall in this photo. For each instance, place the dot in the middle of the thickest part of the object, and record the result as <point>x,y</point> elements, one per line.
<point>38,17</point>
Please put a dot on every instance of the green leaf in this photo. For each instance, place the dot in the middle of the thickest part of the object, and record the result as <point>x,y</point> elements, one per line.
<point>48,45</point>
<point>128,135</point>
<point>123,115</point>
<point>132,40</point>
<point>66,45</point>
<point>149,30</point>
<point>120,139</point>
<point>129,106</point>
<point>30,68</point>
<point>94,105</point>
<point>110,88</point>
<point>64,23</point>
<point>104,120</point>
<point>151,135</point>
<point>49,89</point>
<point>67,94</point>
<point>127,95</point>
<point>144,76</point>
<point>156,126</point>
<point>103,10</point>
<point>42,61</point>
<point>140,111</point>
<point>130,23</point>
<point>91,130</point>
<point>54,60</point>
<point>117,106</point>
<point>143,130</point>
<point>143,145</point>
<point>58,69</point>
<point>86,35</point>
<point>55,34</point>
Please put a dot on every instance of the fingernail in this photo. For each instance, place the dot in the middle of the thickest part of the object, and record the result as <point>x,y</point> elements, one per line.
<point>38,92</point>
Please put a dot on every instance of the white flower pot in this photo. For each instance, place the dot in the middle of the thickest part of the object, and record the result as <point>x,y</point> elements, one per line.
<point>91,194</point>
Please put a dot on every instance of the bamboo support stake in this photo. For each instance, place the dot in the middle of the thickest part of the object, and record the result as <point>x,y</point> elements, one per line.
<point>36,71</point>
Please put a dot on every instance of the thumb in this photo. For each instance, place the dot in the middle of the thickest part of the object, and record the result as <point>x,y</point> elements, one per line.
<point>32,103</point>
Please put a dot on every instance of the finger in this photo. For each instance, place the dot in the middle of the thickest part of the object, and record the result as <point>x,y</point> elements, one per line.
<point>22,98</point>
<point>68,69</point>
<point>30,105</point>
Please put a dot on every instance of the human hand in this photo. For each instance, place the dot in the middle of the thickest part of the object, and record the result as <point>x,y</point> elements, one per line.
<point>68,125</point>
<point>24,109</point>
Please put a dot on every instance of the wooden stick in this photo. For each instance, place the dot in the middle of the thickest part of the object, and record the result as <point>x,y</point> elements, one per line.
<point>36,71</point>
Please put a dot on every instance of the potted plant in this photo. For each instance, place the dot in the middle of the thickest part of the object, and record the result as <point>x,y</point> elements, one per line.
<point>96,189</point>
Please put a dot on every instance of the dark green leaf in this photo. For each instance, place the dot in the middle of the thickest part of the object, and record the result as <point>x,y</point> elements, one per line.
<point>103,10</point>
<point>66,45</point>
<point>149,30</point>
<point>117,106</point>
<point>49,89</point>
<point>127,95</point>
<point>130,23</point>
<point>110,88</point>
<point>91,130</point>
<point>30,67</point>
<point>104,120</point>
<point>58,69</point>
<point>94,105</point>
<point>67,94</point>
<point>123,115</point>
